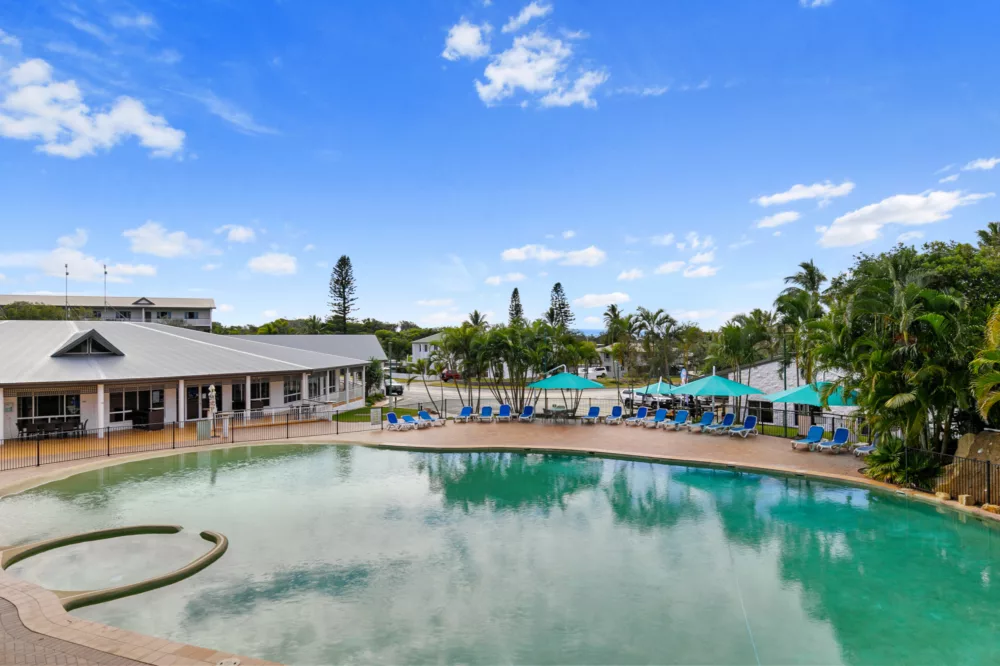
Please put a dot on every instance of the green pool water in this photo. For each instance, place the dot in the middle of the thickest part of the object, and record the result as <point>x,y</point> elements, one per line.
<point>347,555</point>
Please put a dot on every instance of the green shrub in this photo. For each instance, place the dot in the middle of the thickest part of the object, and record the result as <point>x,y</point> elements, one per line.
<point>891,463</point>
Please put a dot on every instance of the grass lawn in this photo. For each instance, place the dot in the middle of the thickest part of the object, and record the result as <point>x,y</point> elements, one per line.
<point>364,413</point>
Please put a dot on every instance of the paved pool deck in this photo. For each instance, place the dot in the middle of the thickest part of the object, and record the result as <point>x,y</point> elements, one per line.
<point>34,628</point>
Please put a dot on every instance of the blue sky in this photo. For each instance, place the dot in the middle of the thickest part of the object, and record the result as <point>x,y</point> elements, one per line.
<point>676,154</point>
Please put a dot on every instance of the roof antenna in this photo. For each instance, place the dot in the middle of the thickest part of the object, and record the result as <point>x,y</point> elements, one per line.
<point>105,315</point>
<point>66,266</point>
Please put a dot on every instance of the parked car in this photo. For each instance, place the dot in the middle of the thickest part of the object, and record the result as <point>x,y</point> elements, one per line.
<point>393,388</point>
<point>449,375</point>
<point>595,372</point>
<point>642,399</point>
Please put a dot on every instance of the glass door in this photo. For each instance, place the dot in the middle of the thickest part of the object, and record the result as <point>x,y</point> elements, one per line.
<point>193,410</point>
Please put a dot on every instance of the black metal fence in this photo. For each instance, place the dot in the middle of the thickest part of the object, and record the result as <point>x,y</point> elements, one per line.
<point>935,472</point>
<point>119,440</point>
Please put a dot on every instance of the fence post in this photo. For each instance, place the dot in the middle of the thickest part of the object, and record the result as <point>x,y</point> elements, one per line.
<point>337,415</point>
<point>38,452</point>
<point>989,489</point>
<point>107,438</point>
<point>288,420</point>
<point>173,435</point>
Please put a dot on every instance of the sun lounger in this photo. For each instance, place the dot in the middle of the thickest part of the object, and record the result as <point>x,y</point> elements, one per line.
<point>593,414</point>
<point>528,415</point>
<point>720,428</point>
<point>465,415</point>
<point>749,427</point>
<point>424,417</point>
<point>864,449</point>
<point>812,438</point>
<point>410,421</point>
<point>680,418</point>
<point>838,443</point>
<point>706,421</point>
<point>659,419</point>
<point>639,417</point>
<point>504,414</point>
<point>485,414</point>
<point>395,424</point>
<point>615,417</point>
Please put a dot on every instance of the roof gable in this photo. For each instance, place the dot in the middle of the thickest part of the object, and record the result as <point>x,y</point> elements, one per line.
<point>143,301</point>
<point>87,343</point>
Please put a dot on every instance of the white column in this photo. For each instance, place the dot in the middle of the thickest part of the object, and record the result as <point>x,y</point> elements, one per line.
<point>305,386</point>
<point>181,403</point>
<point>100,411</point>
<point>246,413</point>
<point>363,368</point>
<point>2,418</point>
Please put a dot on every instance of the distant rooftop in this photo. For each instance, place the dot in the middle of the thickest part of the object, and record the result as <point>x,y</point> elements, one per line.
<point>112,301</point>
<point>363,346</point>
<point>433,337</point>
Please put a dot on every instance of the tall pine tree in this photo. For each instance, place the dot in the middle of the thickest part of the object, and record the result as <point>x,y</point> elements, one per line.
<point>342,288</point>
<point>515,313</point>
<point>562,314</point>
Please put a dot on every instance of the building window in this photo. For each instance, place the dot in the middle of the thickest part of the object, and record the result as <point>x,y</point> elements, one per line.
<point>260,394</point>
<point>123,403</point>
<point>96,314</point>
<point>163,315</point>
<point>48,408</point>
<point>764,411</point>
<point>317,384</point>
<point>123,315</point>
<point>293,389</point>
<point>89,346</point>
<point>191,315</point>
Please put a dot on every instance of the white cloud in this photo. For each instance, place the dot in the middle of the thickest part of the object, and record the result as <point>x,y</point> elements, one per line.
<point>662,239</point>
<point>225,307</point>
<point>776,233</point>
<point>694,241</point>
<point>236,233</point>
<point>777,219</point>
<point>536,64</point>
<point>823,191</point>
<point>600,300</point>
<point>7,39</point>
<point>643,91</point>
<point>593,320</point>
<point>908,236</point>
<point>865,224</point>
<point>211,267</point>
<point>949,179</point>
<point>82,267</point>
<point>153,238</point>
<point>140,21</point>
<point>436,302</point>
<point>701,271</point>
<point>467,40</point>
<point>590,256</point>
<point>569,233</point>
<point>37,108</point>
<point>669,267</point>
<point>89,28</point>
<point>813,4</point>
<point>241,120</point>
<point>703,257</point>
<point>168,57</point>
<point>982,164</point>
<point>944,169</point>
<point>530,12</point>
<point>742,242</point>
<point>633,274</point>
<point>74,242</point>
<point>274,263</point>
<point>496,280</point>
<point>309,248</point>
<point>270,314</point>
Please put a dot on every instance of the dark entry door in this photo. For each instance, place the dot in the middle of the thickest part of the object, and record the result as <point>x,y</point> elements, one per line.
<point>193,410</point>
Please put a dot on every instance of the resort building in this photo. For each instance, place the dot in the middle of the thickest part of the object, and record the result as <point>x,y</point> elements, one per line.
<point>62,377</point>
<point>770,377</point>
<point>363,346</point>
<point>193,313</point>
<point>614,368</point>
<point>425,347</point>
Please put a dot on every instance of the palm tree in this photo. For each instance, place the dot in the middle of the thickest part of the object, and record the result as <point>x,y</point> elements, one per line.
<point>313,325</point>
<point>477,320</point>
<point>809,278</point>
<point>990,236</point>
<point>986,384</point>
<point>424,367</point>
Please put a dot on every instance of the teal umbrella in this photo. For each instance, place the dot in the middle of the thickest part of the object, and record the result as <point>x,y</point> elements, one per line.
<point>565,381</point>
<point>715,385</point>
<point>659,388</point>
<point>810,395</point>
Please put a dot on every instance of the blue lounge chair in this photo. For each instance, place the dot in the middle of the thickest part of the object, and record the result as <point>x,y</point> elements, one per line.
<point>413,423</point>
<point>424,417</point>
<point>680,418</point>
<point>485,414</point>
<point>719,428</point>
<point>528,415</point>
<point>464,415</point>
<point>593,414</point>
<point>639,417</point>
<point>864,450</point>
<point>706,421</point>
<point>615,418</point>
<point>749,427</point>
<point>504,414</point>
<point>838,443</point>
<point>812,438</point>
<point>658,419</point>
<point>394,423</point>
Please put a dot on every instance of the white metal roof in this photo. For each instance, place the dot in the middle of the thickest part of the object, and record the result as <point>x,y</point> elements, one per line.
<point>151,302</point>
<point>150,351</point>
<point>362,346</point>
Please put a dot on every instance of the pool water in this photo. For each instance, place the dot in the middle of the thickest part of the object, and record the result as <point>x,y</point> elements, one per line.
<point>345,554</point>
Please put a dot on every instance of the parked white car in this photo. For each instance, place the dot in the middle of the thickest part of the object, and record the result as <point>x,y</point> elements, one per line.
<point>595,372</point>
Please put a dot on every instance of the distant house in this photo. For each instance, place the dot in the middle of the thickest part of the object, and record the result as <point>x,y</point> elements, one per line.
<point>612,366</point>
<point>425,347</point>
<point>770,377</point>
<point>363,346</point>
<point>193,313</point>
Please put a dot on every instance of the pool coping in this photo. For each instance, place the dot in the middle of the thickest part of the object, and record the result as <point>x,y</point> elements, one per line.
<point>42,612</point>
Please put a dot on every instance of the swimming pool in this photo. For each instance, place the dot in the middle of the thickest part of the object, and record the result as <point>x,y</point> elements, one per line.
<point>345,554</point>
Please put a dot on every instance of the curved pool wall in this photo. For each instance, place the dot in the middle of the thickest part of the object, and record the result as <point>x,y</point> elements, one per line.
<point>352,554</point>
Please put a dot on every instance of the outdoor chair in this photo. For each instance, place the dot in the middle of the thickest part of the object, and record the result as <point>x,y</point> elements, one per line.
<point>812,438</point>
<point>838,443</point>
<point>679,419</point>
<point>465,415</point>
<point>412,422</point>
<point>727,422</point>
<point>527,414</point>
<point>593,414</point>
<point>615,418</point>
<point>394,423</point>
<point>749,427</point>
<point>504,414</point>
<point>485,414</point>
<point>639,417</point>
<point>424,417</point>
<point>658,419</point>
<point>706,421</point>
